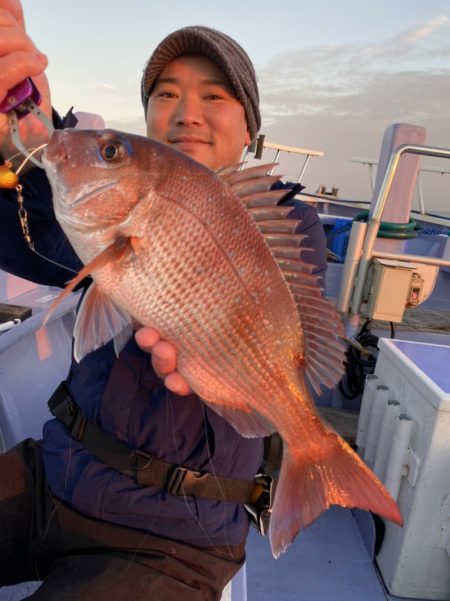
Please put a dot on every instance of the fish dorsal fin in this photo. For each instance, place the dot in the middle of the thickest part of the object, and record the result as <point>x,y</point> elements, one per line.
<point>253,187</point>
<point>269,212</point>
<point>267,198</point>
<point>235,172</point>
<point>321,324</point>
<point>98,321</point>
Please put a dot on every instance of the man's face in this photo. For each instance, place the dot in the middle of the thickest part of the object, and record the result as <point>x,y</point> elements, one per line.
<point>193,108</point>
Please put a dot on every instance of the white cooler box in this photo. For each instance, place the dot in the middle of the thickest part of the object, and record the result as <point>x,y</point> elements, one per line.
<point>405,438</point>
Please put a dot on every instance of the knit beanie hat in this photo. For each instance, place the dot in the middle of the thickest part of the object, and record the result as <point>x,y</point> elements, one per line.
<point>221,50</point>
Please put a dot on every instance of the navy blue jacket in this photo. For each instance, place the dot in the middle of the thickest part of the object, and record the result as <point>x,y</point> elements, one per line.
<point>125,398</point>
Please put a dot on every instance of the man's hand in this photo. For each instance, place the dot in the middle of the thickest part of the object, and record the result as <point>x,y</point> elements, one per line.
<point>19,59</point>
<point>164,360</point>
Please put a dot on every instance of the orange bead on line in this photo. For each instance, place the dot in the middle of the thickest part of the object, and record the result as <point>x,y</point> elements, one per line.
<point>8,179</point>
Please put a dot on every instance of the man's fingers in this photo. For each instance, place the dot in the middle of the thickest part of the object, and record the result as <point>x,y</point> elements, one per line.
<point>19,59</point>
<point>14,39</point>
<point>18,66</point>
<point>14,9</point>
<point>177,384</point>
<point>147,338</point>
<point>164,358</point>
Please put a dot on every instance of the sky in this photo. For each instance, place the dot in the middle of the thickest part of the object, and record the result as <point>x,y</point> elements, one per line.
<point>332,75</point>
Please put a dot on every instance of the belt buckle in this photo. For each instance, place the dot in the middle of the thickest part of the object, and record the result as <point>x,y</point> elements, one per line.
<point>175,480</point>
<point>139,460</point>
<point>260,510</point>
<point>78,420</point>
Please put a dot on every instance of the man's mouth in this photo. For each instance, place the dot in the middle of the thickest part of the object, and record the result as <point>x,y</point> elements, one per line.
<point>187,140</point>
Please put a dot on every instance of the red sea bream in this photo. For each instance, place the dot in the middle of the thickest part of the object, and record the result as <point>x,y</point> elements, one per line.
<point>210,261</point>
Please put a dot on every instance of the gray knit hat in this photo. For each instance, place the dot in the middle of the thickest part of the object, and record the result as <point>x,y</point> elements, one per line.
<point>219,48</point>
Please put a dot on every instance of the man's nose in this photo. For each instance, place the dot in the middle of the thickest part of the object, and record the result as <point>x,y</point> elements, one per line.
<point>188,111</point>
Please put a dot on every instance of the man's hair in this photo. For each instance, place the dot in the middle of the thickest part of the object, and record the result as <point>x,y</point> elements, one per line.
<point>221,50</point>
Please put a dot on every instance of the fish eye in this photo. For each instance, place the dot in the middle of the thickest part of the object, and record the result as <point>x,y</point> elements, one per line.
<point>109,152</point>
<point>113,151</point>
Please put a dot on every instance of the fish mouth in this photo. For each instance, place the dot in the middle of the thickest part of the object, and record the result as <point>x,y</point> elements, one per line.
<point>55,151</point>
<point>85,196</point>
<point>65,210</point>
<point>66,215</point>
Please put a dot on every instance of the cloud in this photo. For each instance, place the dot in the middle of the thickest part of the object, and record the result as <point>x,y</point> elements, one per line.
<point>128,124</point>
<point>428,29</point>
<point>340,99</point>
<point>98,85</point>
<point>408,73</point>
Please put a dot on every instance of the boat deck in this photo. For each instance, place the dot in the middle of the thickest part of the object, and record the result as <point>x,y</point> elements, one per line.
<point>330,561</point>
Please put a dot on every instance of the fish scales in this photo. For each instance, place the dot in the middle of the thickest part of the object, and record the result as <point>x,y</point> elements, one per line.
<point>174,311</point>
<point>179,251</point>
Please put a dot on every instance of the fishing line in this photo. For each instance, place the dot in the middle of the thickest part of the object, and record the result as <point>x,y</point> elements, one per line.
<point>212,468</point>
<point>196,518</point>
<point>23,214</point>
<point>47,527</point>
<point>28,157</point>
<point>52,515</point>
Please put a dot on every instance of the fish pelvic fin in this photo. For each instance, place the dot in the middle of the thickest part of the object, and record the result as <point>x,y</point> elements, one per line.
<point>98,321</point>
<point>308,487</point>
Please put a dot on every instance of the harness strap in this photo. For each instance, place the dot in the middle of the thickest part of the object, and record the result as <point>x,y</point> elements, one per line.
<point>144,468</point>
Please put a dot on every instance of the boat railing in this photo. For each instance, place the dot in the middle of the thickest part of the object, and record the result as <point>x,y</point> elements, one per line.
<point>371,163</point>
<point>362,241</point>
<point>259,145</point>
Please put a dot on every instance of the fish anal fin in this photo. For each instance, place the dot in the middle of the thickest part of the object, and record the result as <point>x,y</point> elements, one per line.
<point>248,424</point>
<point>307,488</point>
<point>98,321</point>
<point>322,329</point>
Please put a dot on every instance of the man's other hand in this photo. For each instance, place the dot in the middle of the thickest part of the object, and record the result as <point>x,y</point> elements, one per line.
<point>19,59</point>
<point>164,360</point>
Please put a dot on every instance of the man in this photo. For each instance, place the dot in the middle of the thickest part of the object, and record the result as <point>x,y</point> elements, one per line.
<point>73,516</point>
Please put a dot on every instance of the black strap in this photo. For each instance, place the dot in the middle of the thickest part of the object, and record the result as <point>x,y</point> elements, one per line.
<point>273,454</point>
<point>144,468</point>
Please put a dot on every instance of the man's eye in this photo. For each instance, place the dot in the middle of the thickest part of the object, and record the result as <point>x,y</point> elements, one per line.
<point>165,95</point>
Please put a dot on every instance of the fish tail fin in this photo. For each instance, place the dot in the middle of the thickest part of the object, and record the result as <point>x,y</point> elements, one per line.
<point>308,487</point>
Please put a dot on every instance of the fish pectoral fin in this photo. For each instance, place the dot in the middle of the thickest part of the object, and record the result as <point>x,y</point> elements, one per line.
<point>248,424</point>
<point>99,320</point>
<point>115,252</point>
<point>122,338</point>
